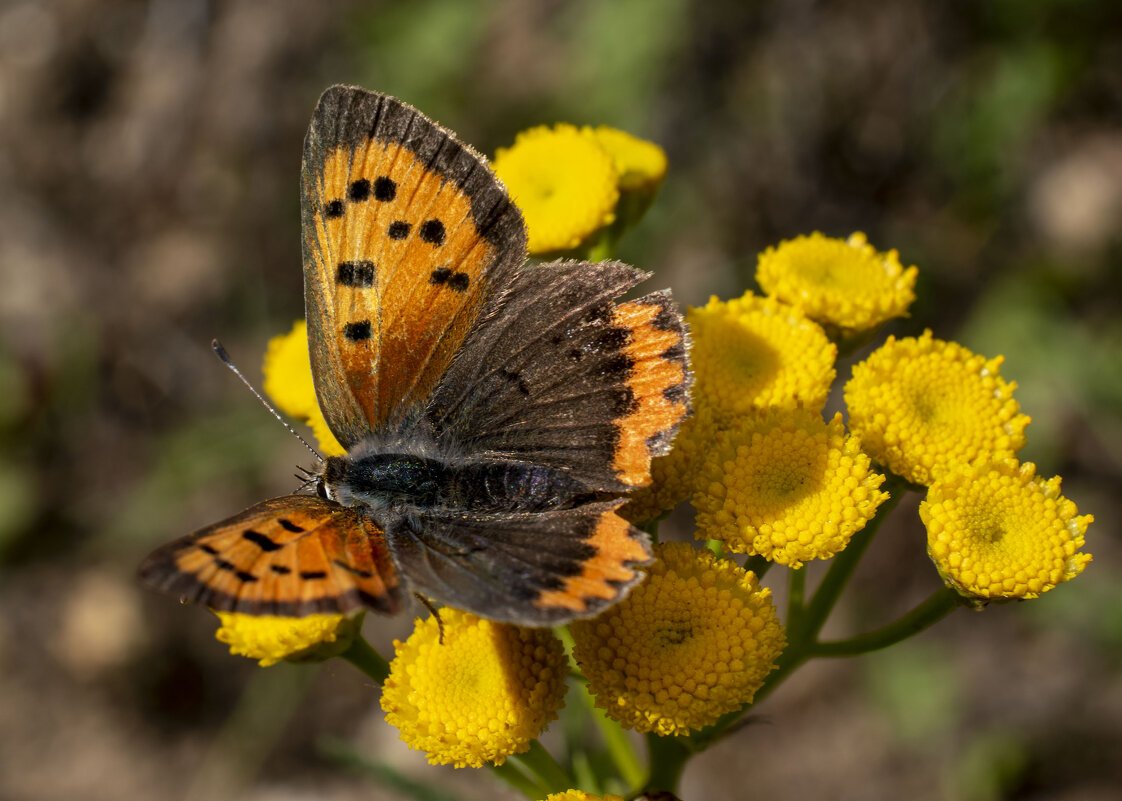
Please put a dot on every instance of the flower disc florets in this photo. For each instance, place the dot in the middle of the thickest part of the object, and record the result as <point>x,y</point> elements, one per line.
<point>788,486</point>
<point>998,531</point>
<point>922,406</point>
<point>692,642</point>
<point>480,695</point>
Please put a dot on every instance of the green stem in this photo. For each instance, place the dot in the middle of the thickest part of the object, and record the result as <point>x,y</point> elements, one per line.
<point>758,565</point>
<point>828,592</point>
<point>619,748</point>
<point>513,775</point>
<point>542,765</point>
<point>937,606</point>
<point>667,756</point>
<point>796,597</point>
<point>363,656</point>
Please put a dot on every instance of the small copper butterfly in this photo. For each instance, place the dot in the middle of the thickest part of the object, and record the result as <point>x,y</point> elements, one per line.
<point>495,413</point>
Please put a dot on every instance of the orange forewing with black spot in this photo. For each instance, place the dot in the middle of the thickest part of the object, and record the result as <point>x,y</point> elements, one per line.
<point>295,555</point>
<point>406,234</point>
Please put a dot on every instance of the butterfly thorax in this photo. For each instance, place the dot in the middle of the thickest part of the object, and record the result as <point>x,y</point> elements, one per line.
<point>401,480</point>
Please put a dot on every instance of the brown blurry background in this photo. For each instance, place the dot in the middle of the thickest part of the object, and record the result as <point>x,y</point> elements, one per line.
<point>149,160</point>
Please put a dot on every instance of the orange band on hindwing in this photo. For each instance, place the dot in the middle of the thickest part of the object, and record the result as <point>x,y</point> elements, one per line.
<point>619,548</point>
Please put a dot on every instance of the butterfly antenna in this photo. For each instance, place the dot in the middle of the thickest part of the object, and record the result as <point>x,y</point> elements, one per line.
<point>226,360</point>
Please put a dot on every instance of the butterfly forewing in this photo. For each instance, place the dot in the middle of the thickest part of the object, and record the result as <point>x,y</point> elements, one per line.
<point>294,555</point>
<point>557,374</point>
<point>406,235</point>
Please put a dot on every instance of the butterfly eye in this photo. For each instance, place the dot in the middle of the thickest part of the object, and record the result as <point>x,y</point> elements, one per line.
<point>321,489</point>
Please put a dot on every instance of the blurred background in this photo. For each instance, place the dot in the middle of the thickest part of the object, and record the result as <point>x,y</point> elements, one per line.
<point>149,166</point>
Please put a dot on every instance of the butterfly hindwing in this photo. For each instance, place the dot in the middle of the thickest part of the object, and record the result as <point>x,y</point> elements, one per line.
<point>295,555</point>
<point>407,234</point>
<point>558,374</point>
<point>529,568</point>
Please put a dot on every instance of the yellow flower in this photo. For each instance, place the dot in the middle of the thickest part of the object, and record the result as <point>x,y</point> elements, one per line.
<point>481,695</point>
<point>838,282</point>
<point>787,486</point>
<point>581,795</point>
<point>641,165</point>
<point>288,381</point>
<point>753,353</point>
<point>922,406</point>
<point>692,642</point>
<point>269,639</point>
<point>998,531</point>
<point>564,182</point>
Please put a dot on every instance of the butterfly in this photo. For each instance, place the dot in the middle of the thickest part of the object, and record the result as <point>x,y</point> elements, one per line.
<point>495,413</point>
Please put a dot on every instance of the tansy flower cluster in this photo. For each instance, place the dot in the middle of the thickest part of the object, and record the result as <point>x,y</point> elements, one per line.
<point>773,482</point>
<point>575,185</point>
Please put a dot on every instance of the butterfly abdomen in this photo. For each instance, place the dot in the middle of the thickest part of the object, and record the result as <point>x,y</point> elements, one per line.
<point>396,480</point>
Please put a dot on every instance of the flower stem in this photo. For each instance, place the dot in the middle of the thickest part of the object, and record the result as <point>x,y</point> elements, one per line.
<point>542,765</point>
<point>796,597</point>
<point>619,748</point>
<point>937,606</point>
<point>513,775</point>
<point>667,757</point>
<point>363,656</point>
<point>828,592</point>
<point>758,565</point>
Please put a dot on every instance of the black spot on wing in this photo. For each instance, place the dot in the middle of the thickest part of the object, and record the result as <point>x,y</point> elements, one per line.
<point>312,575</point>
<point>358,191</point>
<point>399,229</point>
<point>262,541</point>
<point>288,525</point>
<point>440,275</point>
<point>354,570</point>
<point>432,231</point>
<point>385,189</point>
<point>333,209</point>
<point>675,353</point>
<point>675,394</point>
<point>355,273</point>
<point>356,332</point>
<point>280,570</point>
<point>459,282</point>
<point>516,379</point>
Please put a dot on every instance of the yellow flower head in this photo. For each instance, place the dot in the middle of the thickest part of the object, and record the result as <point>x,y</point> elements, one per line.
<point>753,353</point>
<point>641,165</point>
<point>692,642</point>
<point>998,531</point>
<point>581,795</point>
<point>838,282</point>
<point>269,639</point>
<point>288,381</point>
<point>481,695</point>
<point>922,406</point>
<point>564,182</point>
<point>787,486</point>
